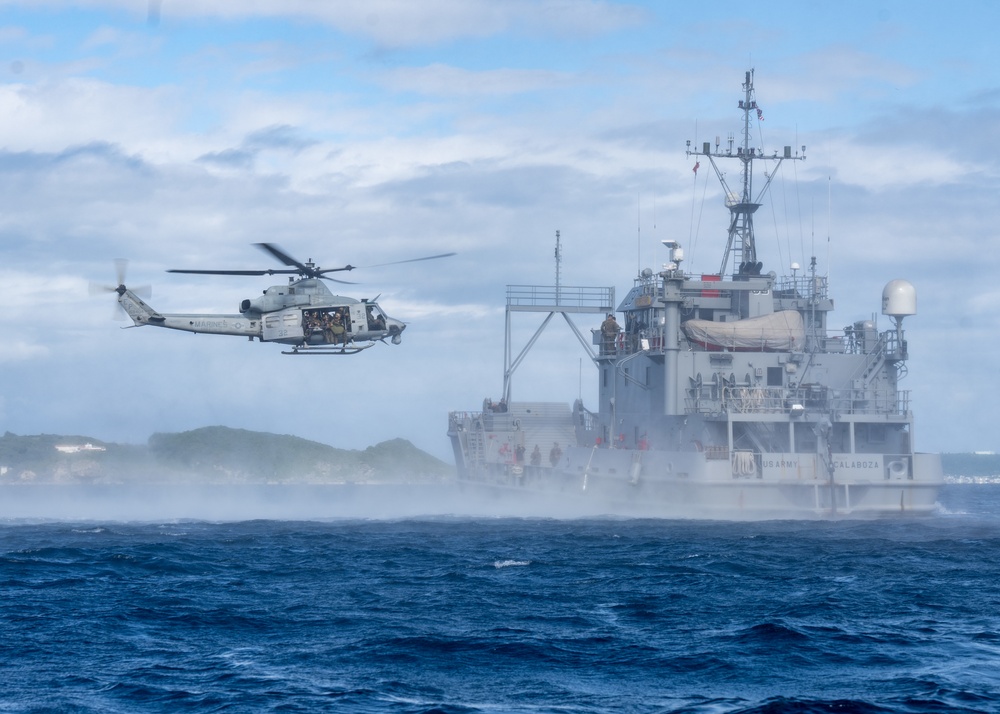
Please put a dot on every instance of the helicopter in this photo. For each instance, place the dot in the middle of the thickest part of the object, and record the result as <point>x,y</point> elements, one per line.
<point>303,314</point>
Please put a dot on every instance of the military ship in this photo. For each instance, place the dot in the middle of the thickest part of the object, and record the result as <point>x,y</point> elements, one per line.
<point>721,395</point>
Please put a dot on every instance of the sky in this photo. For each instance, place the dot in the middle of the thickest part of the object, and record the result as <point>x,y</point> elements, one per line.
<point>177,133</point>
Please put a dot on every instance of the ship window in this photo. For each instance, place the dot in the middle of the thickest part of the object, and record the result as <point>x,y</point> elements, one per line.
<point>774,375</point>
<point>840,438</point>
<point>805,441</point>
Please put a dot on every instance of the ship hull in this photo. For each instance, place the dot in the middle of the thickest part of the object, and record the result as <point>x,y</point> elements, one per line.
<point>700,484</point>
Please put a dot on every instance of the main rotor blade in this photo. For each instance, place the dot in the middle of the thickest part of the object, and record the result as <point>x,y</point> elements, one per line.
<point>411,260</point>
<point>286,258</point>
<point>324,271</point>
<point>272,271</point>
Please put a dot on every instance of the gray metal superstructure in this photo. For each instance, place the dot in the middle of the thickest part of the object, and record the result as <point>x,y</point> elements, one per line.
<point>720,396</point>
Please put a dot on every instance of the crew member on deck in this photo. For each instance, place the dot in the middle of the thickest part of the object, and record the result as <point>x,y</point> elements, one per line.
<point>555,454</point>
<point>536,456</point>
<point>609,334</point>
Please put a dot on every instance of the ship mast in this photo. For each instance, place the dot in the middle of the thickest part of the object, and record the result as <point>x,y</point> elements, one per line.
<point>741,247</point>
<point>558,264</point>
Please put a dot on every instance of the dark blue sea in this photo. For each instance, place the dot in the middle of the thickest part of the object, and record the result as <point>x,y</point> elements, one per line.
<point>464,614</point>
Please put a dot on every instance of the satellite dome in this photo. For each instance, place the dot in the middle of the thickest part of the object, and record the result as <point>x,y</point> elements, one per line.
<point>899,299</point>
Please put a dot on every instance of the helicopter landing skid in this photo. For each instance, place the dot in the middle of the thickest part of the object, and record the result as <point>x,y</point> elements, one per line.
<point>328,349</point>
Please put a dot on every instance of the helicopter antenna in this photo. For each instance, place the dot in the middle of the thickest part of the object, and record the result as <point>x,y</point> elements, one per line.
<point>558,262</point>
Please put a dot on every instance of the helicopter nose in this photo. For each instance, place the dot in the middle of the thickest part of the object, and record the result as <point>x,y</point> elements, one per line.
<point>395,330</point>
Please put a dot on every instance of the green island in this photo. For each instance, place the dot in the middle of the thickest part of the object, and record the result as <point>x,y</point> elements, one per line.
<point>214,454</point>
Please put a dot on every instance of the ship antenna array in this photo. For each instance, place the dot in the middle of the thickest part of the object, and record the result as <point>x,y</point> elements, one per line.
<point>741,246</point>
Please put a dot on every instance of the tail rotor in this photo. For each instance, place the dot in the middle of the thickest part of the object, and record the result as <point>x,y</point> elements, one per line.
<point>121,268</point>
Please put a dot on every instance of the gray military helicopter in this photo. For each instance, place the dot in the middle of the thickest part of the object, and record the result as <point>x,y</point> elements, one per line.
<point>303,314</point>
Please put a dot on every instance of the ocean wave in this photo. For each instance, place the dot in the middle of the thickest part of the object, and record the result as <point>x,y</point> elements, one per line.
<point>510,563</point>
<point>984,479</point>
<point>610,616</point>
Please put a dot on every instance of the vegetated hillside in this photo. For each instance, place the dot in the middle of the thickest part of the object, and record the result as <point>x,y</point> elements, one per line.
<point>241,455</point>
<point>35,458</point>
<point>212,454</point>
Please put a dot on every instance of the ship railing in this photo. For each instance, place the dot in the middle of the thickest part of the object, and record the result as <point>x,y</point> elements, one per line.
<point>474,421</point>
<point>459,421</point>
<point>591,299</point>
<point>714,452</point>
<point>807,287</point>
<point>877,346</point>
<point>709,399</point>
<point>629,343</point>
<point>873,401</point>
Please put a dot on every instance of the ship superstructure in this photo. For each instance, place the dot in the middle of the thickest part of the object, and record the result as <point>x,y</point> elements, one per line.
<point>720,395</point>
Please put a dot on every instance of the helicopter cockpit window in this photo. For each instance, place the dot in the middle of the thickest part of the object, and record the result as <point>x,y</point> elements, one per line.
<point>376,319</point>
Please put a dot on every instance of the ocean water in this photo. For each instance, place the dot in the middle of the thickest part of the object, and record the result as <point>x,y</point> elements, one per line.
<point>459,614</point>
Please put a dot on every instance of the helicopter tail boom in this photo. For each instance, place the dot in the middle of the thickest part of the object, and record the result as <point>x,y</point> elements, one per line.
<point>143,314</point>
<point>139,311</point>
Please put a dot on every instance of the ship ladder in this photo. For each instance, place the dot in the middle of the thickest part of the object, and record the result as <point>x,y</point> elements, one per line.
<point>474,446</point>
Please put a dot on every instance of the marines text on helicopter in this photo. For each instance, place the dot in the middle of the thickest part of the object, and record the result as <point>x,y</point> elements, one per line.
<point>303,314</point>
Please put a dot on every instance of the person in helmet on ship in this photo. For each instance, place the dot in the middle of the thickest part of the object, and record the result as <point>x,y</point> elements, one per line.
<point>609,334</point>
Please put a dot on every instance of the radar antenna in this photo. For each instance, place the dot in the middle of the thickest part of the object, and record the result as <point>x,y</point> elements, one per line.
<point>741,246</point>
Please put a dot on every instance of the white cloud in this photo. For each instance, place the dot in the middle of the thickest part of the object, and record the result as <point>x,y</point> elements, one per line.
<point>401,23</point>
<point>894,166</point>
<point>396,155</point>
<point>17,350</point>
<point>443,80</point>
